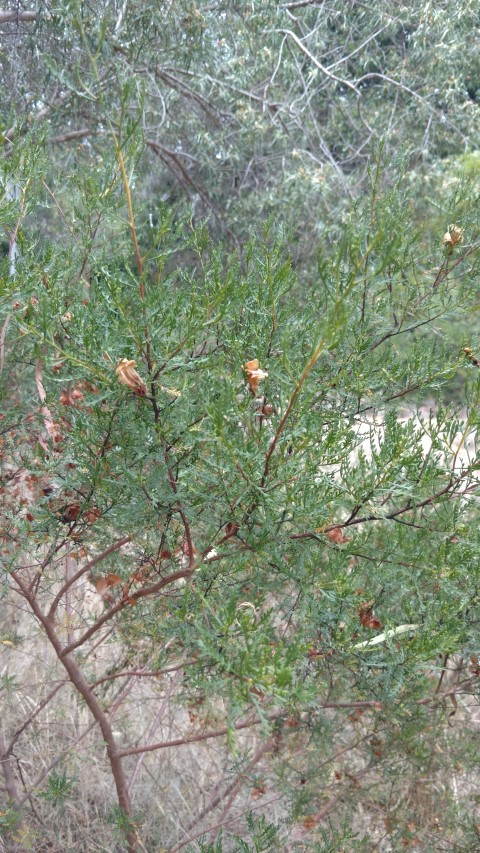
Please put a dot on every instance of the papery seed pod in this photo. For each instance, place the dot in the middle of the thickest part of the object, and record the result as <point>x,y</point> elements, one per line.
<point>70,513</point>
<point>471,356</point>
<point>254,374</point>
<point>452,237</point>
<point>128,376</point>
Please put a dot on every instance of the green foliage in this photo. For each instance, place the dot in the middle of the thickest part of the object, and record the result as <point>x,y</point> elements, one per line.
<point>253,527</point>
<point>262,837</point>
<point>121,821</point>
<point>296,516</point>
<point>59,788</point>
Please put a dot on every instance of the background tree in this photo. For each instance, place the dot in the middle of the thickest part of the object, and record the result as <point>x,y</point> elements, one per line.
<point>248,109</point>
<point>224,534</point>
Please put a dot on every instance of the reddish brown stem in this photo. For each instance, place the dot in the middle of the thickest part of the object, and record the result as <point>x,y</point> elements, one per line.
<point>135,596</point>
<point>451,485</point>
<point>231,791</point>
<point>80,683</point>
<point>86,568</point>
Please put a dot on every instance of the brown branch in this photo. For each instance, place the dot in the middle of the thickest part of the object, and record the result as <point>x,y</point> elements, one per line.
<point>86,568</point>
<point>391,516</point>
<point>11,787</point>
<point>263,805</point>
<point>16,17</point>
<point>181,512</point>
<point>232,790</point>
<point>142,673</point>
<point>152,729</point>
<point>8,749</point>
<point>13,236</point>
<point>47,415</point>
<point>245,724</point>
<point>51,194</point>
<point>126,602</point>
<point>173,162</point>
<point>214,733</point>
<point>131,221</point>
<point>71,135</point>
<point>81,685</point>
<point>2,342</point>
<point>59,756</point>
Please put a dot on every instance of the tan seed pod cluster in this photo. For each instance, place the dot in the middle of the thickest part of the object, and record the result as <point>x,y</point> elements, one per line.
<point>254,374</point>
<point>128,376</point>
<point>452,237</point>
<point>471,356</point>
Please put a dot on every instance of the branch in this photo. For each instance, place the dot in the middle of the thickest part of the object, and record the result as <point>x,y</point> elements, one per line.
<point>86,568</point>
<point>67,137</point>
<point>152,729</point>
<point>2,342</point>
<point>182,741</point>
<point>131,220</point>
<point>81,685</point>
<point>126,602</point>
<point>47,415</point>
<point>16,17</point>
<point>214,733</point>
<point>318,64</point>
<point>142,673</point>
<point>414,94</point>
<point>173,162</point>
<point>308,368</point>
<point>391,516</point>
<point>299,4</point>
<point>11,787</point>
<point>8,749</point>
<point>216,799</point>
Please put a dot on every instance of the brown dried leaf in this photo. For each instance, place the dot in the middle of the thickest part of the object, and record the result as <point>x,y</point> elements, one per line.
<point>258,791</point>
<point>337,536</point>
<point>101,585</point>
<point>367,618</point>
<point>93,514</point>
<point>70,513</point>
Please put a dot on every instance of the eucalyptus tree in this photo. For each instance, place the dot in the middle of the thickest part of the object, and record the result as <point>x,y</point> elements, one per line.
<point>247,109</point>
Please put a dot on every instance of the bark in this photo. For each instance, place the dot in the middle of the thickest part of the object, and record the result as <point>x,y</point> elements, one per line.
<point>82,686</point>
<point>16,17</point>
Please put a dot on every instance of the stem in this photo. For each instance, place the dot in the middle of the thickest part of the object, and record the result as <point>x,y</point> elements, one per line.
<point>93,562</point>
<point>11,786</point>
<point>131,219</point>
<point>372,222</point>
<point>133,597</point>
<point>233,789</point>
<point>308,368</point>
<point>83,688</point>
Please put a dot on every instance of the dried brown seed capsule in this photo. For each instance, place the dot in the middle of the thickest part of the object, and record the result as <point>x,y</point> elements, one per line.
<point>128,376</point>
